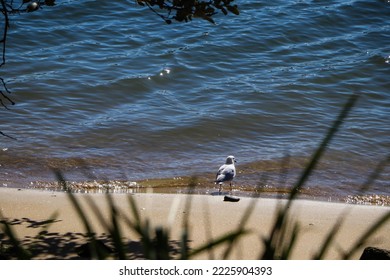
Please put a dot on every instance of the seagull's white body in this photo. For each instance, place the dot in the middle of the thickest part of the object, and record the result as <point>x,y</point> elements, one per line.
<point>226,172</point>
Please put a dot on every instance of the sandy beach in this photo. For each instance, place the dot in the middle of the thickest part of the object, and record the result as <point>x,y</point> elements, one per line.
<point>209,217</point>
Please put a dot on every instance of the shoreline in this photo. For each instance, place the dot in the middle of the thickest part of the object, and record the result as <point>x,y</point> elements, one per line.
<point>209,218</point>
<point>263,178</point>
<point>200,184</point>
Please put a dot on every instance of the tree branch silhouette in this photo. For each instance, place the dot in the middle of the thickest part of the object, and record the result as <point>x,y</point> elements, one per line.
<point>178,10</point>
<point>186,10</point>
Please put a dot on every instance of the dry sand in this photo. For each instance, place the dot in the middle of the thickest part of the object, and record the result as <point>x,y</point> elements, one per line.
<point>209,218</point>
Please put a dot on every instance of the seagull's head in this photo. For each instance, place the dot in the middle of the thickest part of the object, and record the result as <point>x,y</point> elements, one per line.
<point>230,160</point>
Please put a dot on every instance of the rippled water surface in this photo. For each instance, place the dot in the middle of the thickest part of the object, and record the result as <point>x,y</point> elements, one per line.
<point>109,85</point>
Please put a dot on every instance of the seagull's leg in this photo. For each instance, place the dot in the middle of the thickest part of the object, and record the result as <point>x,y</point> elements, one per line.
<point>220,188</point>
<point>231,188</point>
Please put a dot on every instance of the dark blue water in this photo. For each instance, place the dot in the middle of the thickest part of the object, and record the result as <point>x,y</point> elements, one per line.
<point>109,85</point>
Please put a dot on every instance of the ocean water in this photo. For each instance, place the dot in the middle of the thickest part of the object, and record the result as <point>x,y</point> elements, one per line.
<point>109,85</point>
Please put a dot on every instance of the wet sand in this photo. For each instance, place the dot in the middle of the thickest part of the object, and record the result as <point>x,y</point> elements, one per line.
<point>209,218</point>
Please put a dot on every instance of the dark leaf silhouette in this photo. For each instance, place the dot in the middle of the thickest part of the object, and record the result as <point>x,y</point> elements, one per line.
<point>186,10</point>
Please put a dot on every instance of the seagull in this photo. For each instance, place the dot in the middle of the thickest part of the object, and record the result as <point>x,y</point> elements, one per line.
<point>226,172</point>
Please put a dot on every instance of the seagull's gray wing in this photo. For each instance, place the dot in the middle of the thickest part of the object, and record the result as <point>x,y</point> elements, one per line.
<point>226,173</point>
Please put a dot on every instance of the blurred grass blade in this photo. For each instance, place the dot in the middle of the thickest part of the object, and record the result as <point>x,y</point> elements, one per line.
<point>95,253</point>
<point>17,248</point>
<point>184,238</point>
<point>272,242</point>
<point>321,149</point>
<point>74,201</point>
<point>184,248</point>
<point>134,211</point>
<point>241,226</point>
<point>366,235</point>
<point>290,241</point>
<point>115,230</point>
<point>142,229</point>
<point>329,238</point>
<point>230,237</point>
<point>161,244</point>
<point>113,227</point>
<point>375,174</point>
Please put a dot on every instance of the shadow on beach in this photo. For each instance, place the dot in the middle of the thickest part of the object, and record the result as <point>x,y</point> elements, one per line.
<point>68,246</point>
